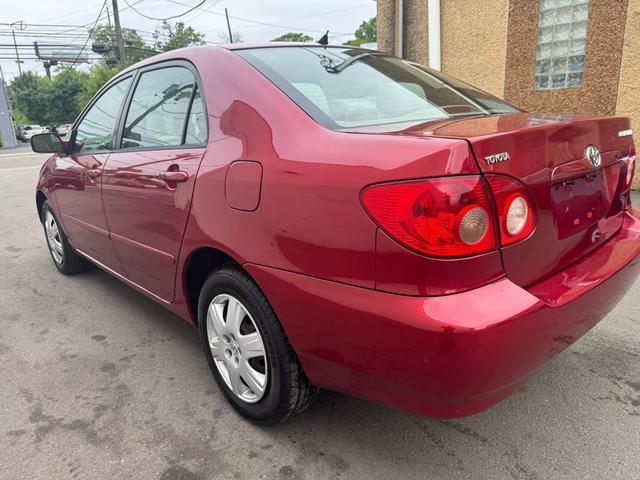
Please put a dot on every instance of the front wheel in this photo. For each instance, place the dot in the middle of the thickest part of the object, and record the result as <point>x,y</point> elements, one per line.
<point>247,350</point>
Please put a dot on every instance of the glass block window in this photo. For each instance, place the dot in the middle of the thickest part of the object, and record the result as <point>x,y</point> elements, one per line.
<point>562,36</point>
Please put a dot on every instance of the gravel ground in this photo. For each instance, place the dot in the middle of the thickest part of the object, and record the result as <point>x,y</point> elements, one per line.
<point>97,381</point>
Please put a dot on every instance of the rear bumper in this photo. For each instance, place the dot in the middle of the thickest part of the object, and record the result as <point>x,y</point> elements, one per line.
<point>452,355</point>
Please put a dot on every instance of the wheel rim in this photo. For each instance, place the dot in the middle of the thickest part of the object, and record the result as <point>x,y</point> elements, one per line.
<point>53,237</point>
<point>237,348</point>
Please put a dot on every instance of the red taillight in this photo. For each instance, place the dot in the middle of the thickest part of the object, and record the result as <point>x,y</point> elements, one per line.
<point>443,217</point>
<point>516,213</point>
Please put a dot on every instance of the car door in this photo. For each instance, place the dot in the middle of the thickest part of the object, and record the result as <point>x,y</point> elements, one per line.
<point>148,181</point>
<point>78,176</point>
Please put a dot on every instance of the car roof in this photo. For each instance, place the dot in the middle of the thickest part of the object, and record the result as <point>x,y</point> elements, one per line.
<point>188,51</point>
<point>245,46</point>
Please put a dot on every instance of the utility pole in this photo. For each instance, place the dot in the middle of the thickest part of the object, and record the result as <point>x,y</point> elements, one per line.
<point>108,17</point>
<point>47,64</point>
<point>119,39</point>
<point>226,14</point>
<point>18,61</point>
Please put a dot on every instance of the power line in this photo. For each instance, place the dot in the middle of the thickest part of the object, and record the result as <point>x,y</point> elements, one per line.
<point>104,3</point>
<point>78,14</point>
<point>52,36</point>
<point>53,25</point>
<point>68,27</point>
<point>89,17</point>
<point>321,14</point>
<point>257,22</point>
<point>286,27</point>
<point>167,18</point>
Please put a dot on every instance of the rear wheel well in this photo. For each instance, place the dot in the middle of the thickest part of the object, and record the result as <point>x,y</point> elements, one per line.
<point>40,199</point>
<point>201,264</point>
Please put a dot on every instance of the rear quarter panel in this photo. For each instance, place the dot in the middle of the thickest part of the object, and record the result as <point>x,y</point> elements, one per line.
<point>309,218</point>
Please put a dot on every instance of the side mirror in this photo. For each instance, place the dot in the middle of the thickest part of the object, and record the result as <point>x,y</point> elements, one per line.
<point>47,143</point>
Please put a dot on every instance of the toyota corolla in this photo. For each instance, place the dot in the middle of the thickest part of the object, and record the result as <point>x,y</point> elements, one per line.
<point>334,217</point>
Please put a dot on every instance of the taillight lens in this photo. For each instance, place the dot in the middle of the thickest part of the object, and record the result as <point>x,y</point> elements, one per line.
<point>516,214</point>
<point>443,217</point>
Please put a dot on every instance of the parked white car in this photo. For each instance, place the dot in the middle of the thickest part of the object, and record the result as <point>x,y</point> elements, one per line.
<point>31,130</point>
<point>63,129</point>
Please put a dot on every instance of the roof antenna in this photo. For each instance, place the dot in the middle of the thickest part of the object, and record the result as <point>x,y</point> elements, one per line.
<point>226,14</point>
<point>324,40</point>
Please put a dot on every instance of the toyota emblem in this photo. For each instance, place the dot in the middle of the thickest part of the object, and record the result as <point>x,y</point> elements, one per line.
<point>593,155</point>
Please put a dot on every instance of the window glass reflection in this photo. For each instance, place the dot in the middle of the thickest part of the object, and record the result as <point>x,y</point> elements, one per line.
<point>197,126</point>
<point>159,108</point>
<point>95,132</point>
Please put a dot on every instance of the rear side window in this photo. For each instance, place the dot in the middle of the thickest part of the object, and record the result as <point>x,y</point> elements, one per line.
<point>95,131</point>
<point>343,87</point>
<point>197,126</point>
<point>158,109</point>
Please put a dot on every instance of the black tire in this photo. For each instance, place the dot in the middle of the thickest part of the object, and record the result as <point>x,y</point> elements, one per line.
<point>70,263</point>
<point>288,390</point>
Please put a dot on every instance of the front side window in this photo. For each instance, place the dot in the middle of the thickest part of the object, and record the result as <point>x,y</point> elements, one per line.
<point>562,36</point>
<point>96,129</point>
<point>345,87</point>
<point>158,109</point>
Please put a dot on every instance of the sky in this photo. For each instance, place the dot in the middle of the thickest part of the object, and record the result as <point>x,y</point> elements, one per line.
<point>254,20</point>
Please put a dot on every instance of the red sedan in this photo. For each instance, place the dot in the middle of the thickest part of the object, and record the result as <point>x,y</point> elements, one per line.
<point>334,217</point>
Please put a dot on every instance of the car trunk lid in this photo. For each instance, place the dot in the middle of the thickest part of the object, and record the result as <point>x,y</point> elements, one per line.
<point>578,202</point>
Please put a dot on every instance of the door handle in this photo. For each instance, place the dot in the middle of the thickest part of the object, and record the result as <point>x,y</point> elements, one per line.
<point>94,172</point>
<point>174,176</point>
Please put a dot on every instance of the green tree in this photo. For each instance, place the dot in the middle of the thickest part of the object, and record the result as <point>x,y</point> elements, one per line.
<point>293,37</point>
<point>98,76</point>
<point>63,90</point>
<point>19,118</point>
<point>170,36</point>
<point>135,48</point>
<point>28,95</point>
<point>44,101</point>
<point>365,33</point>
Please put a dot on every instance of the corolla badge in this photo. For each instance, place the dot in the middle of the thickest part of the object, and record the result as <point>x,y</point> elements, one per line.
<point>593,155</point>
<point>497,158</point>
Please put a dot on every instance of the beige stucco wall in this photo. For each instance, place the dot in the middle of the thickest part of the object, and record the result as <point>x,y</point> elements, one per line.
<point>629,85</point>
<point>415,34</point>
<point>474,38</point>
<point>416,31</point>
<point>474,42</point>
<point>385,18</point>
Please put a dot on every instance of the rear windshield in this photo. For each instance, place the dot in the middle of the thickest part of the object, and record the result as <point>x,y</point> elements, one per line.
<point>347,87</point>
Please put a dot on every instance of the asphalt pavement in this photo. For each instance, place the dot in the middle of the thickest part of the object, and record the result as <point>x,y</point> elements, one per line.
<point>99,382</point>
